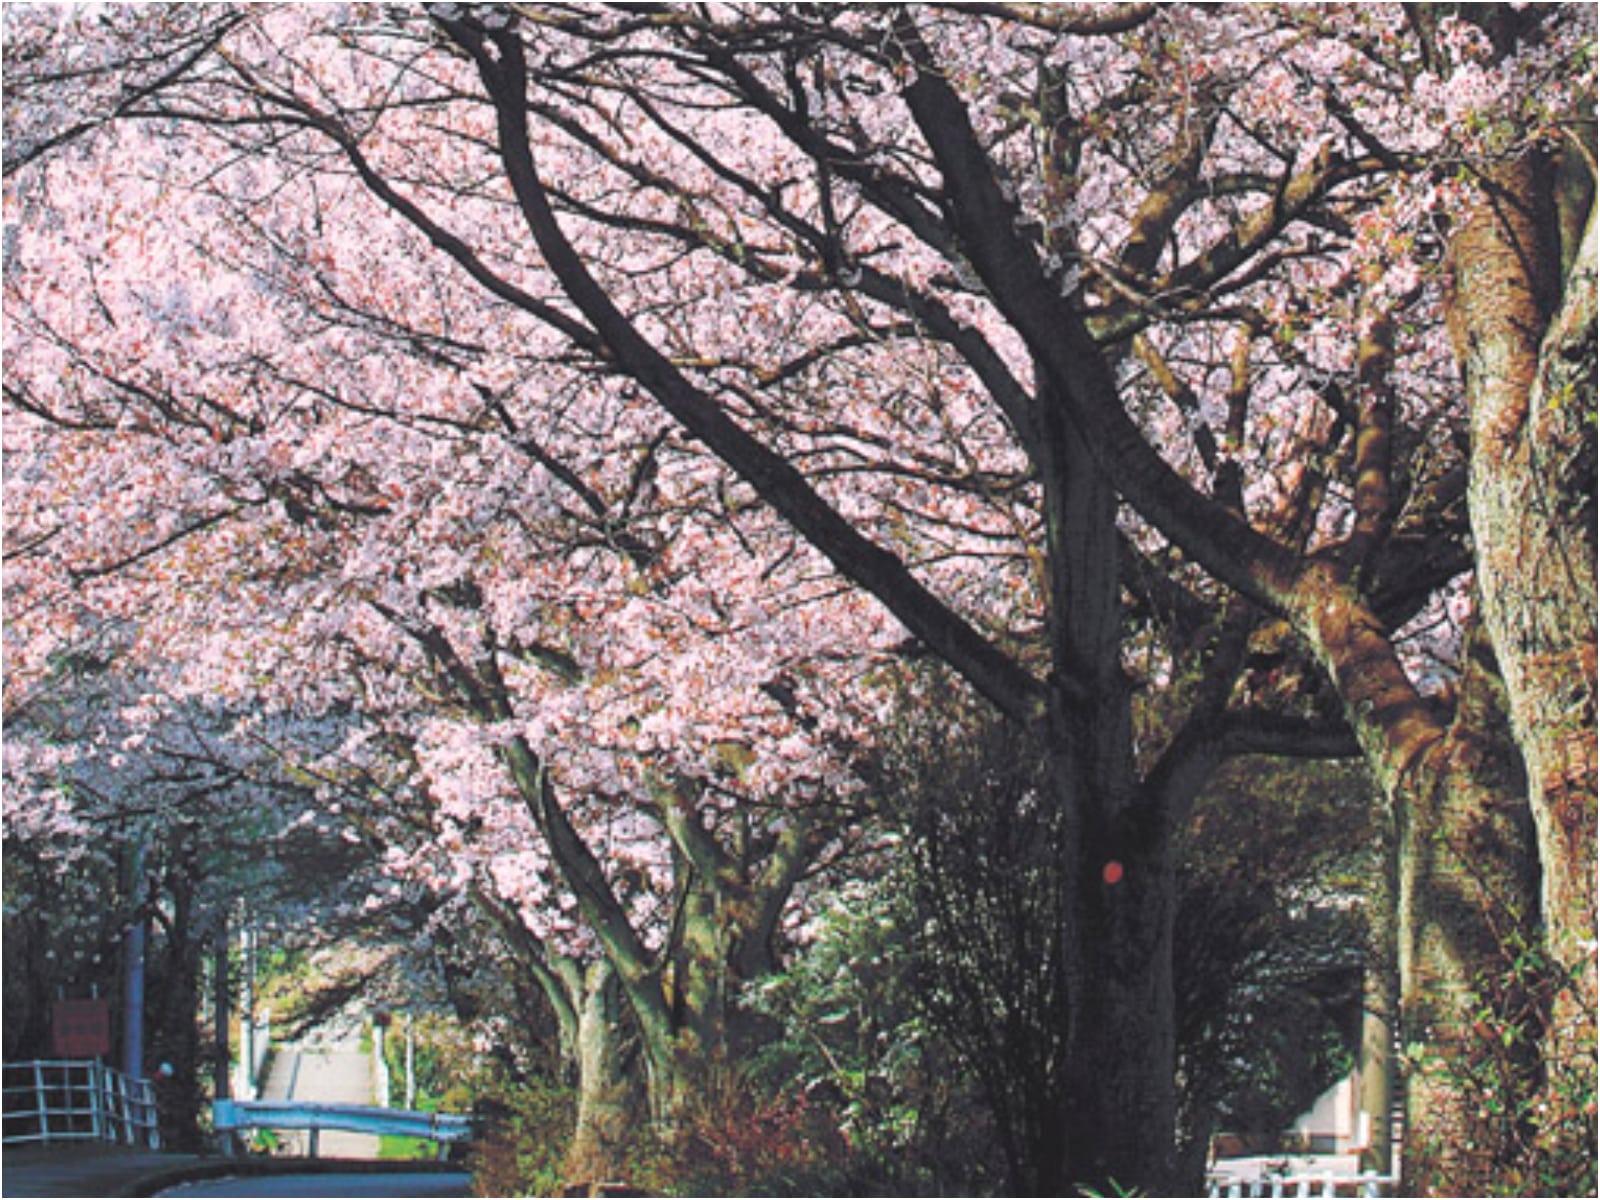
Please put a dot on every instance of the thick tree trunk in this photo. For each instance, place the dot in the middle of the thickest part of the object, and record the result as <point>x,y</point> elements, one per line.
<point>1526,340</point>
<point>1121,1102</point>
<point>1467,884</point>
<point>1121,1073</point>
<point>1468,902</point>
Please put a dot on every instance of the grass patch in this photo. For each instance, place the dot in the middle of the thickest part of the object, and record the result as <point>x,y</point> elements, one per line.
<point>406,1149</point>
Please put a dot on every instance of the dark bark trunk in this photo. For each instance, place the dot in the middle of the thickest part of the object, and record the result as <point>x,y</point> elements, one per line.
<point>173,1015</point>
<point>1121,1111</point>
<point>221,1013</point>
<point>1120,1098</point>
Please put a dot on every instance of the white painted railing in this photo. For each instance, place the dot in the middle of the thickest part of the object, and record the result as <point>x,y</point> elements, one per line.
<point>1325,1185</point>
<point>229,1116</point>
<point>57,1100</point>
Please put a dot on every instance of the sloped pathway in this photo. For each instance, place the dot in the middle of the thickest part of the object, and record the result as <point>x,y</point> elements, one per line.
<point>331,1072</point>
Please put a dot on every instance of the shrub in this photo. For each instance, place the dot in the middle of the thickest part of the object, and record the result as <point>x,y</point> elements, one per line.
<point>522,1149</point>
<point>741,1142</point>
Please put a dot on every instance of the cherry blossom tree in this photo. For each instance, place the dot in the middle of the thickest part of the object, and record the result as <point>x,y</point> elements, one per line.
<point>504,601</point>
<point>1105,348</point>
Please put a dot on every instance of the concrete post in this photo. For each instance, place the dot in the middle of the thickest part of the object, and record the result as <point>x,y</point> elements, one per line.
<point>134,944</point>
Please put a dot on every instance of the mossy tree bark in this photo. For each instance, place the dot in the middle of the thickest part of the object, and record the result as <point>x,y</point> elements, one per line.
<point>1523,318</point>
<point>1468,900</point>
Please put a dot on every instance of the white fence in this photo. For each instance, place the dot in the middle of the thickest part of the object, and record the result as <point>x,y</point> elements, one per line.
<point>69,1100</point>
<point>442,1128</point>
<point>1326,1185</point>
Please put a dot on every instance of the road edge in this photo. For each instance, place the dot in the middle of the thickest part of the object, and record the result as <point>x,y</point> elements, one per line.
<point>157,1182</point>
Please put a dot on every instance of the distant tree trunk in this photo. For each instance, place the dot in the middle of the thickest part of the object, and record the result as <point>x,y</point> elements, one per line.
<point>607,1110</point>
<point>719,943</point>
<point>174,1016</point>
<point>1380,1014</point>
<point>731,898</point>
<point>222,1013</point>
<point>689,1045</point>
<point>587,1000</point>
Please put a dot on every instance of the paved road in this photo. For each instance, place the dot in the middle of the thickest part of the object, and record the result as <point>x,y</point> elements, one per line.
<point>72,1169</point>
<point>391,1185</point>
<point>333,1072</point>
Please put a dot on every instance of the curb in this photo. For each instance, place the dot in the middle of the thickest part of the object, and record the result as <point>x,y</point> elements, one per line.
<point>254,1168</point>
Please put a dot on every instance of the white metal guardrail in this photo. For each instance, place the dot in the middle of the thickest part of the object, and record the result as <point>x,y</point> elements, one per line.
<point>56,1100</point>
<point>229,1116</point>
<point>1324,1185</point>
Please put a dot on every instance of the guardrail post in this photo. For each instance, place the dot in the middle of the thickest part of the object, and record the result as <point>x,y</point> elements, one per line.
<point>95,1092</point>
<point>38,1095</point>
<point>225,1119</point>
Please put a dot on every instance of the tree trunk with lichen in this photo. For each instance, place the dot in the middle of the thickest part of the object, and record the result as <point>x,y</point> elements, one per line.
<point>1467,888</point>
<point>1523,310</point>
<point>1468,904</point>
<point>607,1086</point>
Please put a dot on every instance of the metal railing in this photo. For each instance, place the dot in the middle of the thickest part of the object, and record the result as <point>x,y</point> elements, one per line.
<point>56,1100</point>
<point>1325,1185</point>
<point>229,1116</point>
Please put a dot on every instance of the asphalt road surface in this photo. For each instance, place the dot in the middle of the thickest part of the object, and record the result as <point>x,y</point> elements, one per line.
<point>394,1186</point>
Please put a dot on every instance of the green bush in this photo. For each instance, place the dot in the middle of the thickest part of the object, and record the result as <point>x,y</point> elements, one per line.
<point>858,1052</point>
<point>522,1149</point>
<point>741,1140</point>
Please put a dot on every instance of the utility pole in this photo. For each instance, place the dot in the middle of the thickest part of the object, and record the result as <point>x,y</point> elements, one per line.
<point>411,1067</point>
<point>134,944</point>
<point>222,1065</point>
<point>247,1010</point>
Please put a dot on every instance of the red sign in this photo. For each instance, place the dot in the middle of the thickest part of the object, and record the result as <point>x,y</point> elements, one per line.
<point>80,1028</point>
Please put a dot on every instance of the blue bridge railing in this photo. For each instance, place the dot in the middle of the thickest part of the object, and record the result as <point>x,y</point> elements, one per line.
<point>230,1116</point>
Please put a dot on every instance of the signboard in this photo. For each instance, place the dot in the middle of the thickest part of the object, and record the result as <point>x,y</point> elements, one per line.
<point>80,1028</point>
